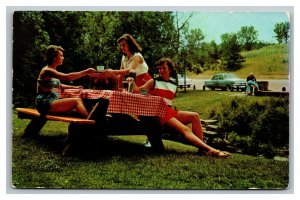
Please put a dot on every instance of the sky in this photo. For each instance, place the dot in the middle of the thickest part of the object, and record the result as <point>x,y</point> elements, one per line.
<point>214,24</point>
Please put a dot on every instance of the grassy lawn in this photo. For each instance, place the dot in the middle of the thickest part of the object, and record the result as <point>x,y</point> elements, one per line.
<point>124,163</point>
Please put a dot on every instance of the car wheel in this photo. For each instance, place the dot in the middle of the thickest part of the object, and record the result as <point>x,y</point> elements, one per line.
<point>212,88</point>
<point>229,88</point>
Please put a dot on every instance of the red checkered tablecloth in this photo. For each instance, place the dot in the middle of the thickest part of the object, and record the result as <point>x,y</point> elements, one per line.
<point>122,102</point>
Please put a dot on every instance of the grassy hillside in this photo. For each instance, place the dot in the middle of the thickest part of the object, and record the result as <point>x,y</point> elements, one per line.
<point>271,62</point>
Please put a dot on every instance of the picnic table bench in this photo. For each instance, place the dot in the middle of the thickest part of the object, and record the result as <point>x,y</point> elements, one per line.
<point>80,130</point>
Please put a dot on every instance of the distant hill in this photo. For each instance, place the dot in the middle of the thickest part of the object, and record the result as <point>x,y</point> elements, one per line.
<point>270,62</point>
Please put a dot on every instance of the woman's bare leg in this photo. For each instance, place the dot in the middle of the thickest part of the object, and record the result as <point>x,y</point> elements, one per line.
<point>186,117</point>
<point>188,134</point>
<point>68,104</point>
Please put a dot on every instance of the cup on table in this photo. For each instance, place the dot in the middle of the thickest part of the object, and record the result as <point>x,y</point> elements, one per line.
<point>144,91</point>
<point>130,86</point>
<point>100,68</point>
<point>125,84</point>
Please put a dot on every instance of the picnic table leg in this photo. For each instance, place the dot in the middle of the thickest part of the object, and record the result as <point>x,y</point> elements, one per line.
<point>156,142</point>
<point>153,128</point>
<point>78,135</point>
<point>73,136</point>
<point>34,127</point>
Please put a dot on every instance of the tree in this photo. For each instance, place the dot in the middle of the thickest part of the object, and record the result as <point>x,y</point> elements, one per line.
<point>29,39</point>
<point>282,31</point>
<point>181,25</point>
<point>194,41</point>
<point>247,37</point>
<point>89,39</point>
<point>209,56</point>
<point>230,52</point>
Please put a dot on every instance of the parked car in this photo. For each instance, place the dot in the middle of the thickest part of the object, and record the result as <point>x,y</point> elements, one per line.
<point>188,82</point>
<point>225,81</point>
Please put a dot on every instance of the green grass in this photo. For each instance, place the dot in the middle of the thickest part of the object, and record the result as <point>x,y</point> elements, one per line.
<point>204,101</point>
<point>124,163</point>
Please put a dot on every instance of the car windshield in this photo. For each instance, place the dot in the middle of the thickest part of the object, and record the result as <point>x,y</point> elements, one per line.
<point>180,76</point>
<point>227,76</point>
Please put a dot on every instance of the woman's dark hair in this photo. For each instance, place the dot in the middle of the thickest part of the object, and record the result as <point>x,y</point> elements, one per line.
<point>132,43</point>
<point>51,53</point>
<point>170,64</point>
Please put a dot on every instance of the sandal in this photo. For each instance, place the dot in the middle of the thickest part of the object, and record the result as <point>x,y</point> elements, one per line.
<point>218,153</point>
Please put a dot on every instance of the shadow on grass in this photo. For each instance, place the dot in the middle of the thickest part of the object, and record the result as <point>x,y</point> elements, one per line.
<point>103,148</point>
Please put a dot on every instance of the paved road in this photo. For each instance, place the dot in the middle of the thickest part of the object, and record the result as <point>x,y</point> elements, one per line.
<point>274,85</point>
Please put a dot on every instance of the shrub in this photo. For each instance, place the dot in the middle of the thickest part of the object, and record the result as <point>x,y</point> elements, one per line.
<point>255,126</point>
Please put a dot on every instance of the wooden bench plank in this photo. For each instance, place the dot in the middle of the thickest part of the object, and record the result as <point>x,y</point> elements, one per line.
<point>30,112</point>
<point>211,133</point>
<point>208,121</point>
<point>212,127</point>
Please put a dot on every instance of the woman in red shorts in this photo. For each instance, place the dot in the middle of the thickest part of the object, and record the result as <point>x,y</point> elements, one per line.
<point>163,86</point>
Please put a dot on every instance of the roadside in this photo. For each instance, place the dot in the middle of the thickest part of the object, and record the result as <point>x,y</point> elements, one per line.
<point>274,84</point>
<point>208,75</point>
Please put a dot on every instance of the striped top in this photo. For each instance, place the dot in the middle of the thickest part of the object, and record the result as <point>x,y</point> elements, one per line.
<point>166,89</point>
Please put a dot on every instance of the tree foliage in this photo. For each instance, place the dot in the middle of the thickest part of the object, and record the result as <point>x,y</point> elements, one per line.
<point>247,37</point>
<point>231,58</point>
<point>89,39</point>
<point>29,38</point>
<point>255,126</point>
<point>282,31</point>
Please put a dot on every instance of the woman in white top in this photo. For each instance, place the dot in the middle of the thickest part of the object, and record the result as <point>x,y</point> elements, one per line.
<point>132,60</point>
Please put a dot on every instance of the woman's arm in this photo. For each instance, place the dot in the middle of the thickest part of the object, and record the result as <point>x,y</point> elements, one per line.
<point>147,86</point>
<point>69,76</point>
<point>137,59</point>
<point>64,86</point>
<point>121,71</point>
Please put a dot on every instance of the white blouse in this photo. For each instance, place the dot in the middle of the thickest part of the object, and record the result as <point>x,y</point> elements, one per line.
<point>141,68</point>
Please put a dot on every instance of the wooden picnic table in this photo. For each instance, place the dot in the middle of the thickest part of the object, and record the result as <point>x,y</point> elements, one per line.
<point>122,107</point>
